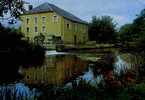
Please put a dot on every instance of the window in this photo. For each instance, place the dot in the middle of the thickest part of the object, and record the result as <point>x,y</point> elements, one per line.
<point>43,20</point>
<point>28,29</point>
<point>43,29</point>
<point>27,20</point>
<point>35,20</point>
<point>36,29</point>
<point>68,26</point>
<point>76,27</point>
<point>55,18</point>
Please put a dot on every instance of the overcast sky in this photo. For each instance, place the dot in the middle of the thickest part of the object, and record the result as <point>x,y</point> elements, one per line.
<point>123,11</point>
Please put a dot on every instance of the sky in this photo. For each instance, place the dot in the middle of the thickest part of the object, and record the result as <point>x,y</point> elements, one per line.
<point>123,11</point>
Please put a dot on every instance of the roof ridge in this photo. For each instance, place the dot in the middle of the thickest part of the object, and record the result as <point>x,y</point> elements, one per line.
<point>45,7</point>
<point>72,15</point>
<point>42,5</point>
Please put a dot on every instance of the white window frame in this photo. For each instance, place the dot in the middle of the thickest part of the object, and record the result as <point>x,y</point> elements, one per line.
<point>43,29</point>
<point>35,21</point>
<point>55,18</point>
<point>36,27</point>
<point>44,20</point>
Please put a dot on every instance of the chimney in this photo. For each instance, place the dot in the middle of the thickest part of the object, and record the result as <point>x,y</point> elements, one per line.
<point>30,7</point>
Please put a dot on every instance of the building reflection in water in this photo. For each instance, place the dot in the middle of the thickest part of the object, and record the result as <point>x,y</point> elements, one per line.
<point>56,70</point>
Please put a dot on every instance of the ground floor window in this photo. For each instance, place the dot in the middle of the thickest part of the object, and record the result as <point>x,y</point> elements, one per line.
<point>28,29</point>
<point>36,29</point>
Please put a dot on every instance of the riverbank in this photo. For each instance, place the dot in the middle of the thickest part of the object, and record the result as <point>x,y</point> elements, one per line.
<point>78,47</point>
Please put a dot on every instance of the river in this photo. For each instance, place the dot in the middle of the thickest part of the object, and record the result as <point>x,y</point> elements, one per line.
<point>60,68</point>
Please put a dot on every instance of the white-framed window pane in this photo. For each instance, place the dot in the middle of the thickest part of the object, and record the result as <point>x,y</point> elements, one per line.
<point>55,19</point>
<point>36,29</point>
<point>43,29</point>
<point>35,20</point>
<point>43,20</point>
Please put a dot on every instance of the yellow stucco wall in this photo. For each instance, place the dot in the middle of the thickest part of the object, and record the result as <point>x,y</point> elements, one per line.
<point>59,28</point>
<point>76,29</point>
<point>52,28</point>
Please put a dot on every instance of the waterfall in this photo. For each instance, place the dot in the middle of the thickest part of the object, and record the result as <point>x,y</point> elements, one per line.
<point>54,52</point>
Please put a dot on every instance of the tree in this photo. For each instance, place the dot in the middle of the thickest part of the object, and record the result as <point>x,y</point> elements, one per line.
<point>125,33</point>
<point>15,52</point>
<point>14,6</point>
<point>139,30</point>
<point>135,32</point>
<point>102,29</point>
<point>139,25</point>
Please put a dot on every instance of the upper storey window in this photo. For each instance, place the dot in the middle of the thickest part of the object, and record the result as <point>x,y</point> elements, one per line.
<point>55,18</point>
<point>43,20</point>
<point>27,20</point>
<point>35,20</point>
<point>68,26</point>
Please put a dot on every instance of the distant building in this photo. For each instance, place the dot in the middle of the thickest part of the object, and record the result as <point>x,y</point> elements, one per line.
<point>54,24</point>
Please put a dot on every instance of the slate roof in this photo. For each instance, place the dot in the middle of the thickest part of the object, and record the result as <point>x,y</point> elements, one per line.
<point>47,7</point>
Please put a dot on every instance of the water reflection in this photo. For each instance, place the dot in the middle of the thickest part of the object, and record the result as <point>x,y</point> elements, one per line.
<point>56,70</point>
<point>128,61</point>
<point>123,63</point>
<point>17,91</point>
<point>121,66</point>
<point>91,78</point>
<point>62,67</point>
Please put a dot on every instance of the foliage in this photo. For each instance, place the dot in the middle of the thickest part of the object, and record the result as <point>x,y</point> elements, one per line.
<point>102,29</point>
<point>14,6</point>
<point>39,39</point>
<point>84,91</point>
<point>125,32</point>
<point>135,32</point>
<point>16,52</point>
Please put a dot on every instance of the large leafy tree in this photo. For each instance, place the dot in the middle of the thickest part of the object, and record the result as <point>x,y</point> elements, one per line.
<point>135,32</point>
<point>14,50</point>
<point>14,6</point>
<point>102,29</point>
<point>139,25</point>
<point>139,30</point>
<point>125,33</point>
